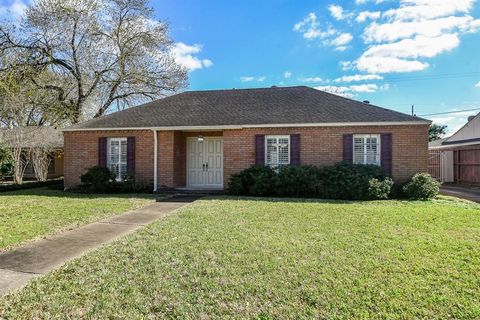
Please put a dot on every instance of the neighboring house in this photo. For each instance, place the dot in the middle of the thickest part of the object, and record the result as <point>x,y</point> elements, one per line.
<point>457,158</point>
<point>30,137</point>
<point>199,139</point>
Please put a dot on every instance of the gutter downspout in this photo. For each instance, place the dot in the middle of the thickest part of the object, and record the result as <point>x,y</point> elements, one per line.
<point>155,160</point>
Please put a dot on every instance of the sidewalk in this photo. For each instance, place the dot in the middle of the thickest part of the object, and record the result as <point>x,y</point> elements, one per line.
<point>461,192</point>
<point>20,265</point>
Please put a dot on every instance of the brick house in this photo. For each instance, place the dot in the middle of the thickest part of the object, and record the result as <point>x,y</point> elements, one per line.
<point>199,139</point>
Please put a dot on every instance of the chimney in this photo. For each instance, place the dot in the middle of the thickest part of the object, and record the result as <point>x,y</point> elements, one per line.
<point>366,101</point>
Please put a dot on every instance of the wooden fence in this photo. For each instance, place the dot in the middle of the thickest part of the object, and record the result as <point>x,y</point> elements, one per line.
<point>466,165</point>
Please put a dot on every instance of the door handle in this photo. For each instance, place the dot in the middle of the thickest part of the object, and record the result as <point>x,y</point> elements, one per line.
<point>207,165</point>
<point>204,167</point>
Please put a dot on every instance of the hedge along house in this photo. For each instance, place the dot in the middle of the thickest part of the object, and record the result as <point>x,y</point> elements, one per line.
<point>198,139</point>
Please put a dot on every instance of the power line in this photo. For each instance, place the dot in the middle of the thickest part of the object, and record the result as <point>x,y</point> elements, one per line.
<point>449,112</point>
<point>440,76</point>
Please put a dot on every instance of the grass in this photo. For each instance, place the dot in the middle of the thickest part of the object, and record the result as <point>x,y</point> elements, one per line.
<point>32,213</point>
<point>276,259</point>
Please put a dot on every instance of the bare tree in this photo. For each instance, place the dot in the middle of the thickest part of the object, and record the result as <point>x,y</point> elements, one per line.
<point>14,112</point>
<point>41,158</point>
<point>102,53</point>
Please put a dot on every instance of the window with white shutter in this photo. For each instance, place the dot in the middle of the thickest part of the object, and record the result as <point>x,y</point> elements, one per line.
<point>366,149</point>
<point>117,157</point>
<point>277,151</point>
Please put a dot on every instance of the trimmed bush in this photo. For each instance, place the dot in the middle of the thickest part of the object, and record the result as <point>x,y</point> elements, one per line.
<point>348,181</point>
<point>254,181</point>
<point>341,181</point>
<point>380,189</point>
<point>97,178</point>
<point>53,184</point>
<point>422,187</point>
<point>297,181</point>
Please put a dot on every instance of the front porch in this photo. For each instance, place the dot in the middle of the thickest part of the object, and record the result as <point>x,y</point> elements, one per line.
<point>190,160</point>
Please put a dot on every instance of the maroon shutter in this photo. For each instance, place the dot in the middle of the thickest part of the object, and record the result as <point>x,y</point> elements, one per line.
<point>386,152</point>
<point>102,152</point>
<point>348,148</point>
<point>295,149</point>
<point>260,149</point>
<point>131,156</point>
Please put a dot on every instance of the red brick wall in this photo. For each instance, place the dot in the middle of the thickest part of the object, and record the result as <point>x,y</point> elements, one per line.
<point>322,146</point>
<point>81,153</point>
<point>319,146</point>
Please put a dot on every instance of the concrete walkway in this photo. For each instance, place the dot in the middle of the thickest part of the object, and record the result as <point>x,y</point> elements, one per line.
<point>20,265</point>
<point>461,192</point>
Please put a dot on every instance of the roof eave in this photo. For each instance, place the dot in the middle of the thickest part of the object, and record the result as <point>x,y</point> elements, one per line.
<point>245,126</point>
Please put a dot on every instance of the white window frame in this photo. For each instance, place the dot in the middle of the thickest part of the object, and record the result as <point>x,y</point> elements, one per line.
<point>118,177</point>
<point>379,146</point>
<point>266,149</point>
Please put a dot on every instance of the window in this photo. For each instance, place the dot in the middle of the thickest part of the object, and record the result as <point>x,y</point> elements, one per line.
<point>117,157</point>
<point>277,151</point>
<point>366,149</point>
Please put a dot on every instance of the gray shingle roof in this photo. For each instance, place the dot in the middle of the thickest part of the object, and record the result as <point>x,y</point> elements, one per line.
<point>276,105</point>
<point>33,136</point>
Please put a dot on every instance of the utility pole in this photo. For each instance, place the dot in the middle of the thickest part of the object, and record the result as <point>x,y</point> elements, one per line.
<point>413,110</point>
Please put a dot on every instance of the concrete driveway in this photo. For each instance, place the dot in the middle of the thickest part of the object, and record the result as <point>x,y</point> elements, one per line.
<point>468,193</point>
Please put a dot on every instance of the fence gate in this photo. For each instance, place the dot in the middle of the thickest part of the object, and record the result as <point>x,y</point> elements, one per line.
<point>435,164</point>
<point>467,166</point>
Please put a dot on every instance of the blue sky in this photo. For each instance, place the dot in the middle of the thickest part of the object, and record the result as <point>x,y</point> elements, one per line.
<point>394,53</point>
<point>266,43</point>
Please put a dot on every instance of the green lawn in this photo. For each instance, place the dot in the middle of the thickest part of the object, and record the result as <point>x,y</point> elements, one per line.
<point>28,214</point>
<point>261,259</point>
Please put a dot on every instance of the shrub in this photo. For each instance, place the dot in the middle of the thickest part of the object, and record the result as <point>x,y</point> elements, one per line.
<point>348,181</point>
<point>98,178</point>
<point>235,185</point>
<point>6,160</point>
<point>340,181</point>
<point>297,181</point>
<point>379,189</point>
<point>255,181</point>
<point>56,184</point>
<point>422,187</point>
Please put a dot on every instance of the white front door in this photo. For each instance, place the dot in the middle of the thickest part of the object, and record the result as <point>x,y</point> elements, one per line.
<point>205,163</point>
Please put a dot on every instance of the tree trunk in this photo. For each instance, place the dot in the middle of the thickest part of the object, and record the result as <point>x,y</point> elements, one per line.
<point>41,159</point>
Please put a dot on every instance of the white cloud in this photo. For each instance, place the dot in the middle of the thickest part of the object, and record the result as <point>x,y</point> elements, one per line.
<point>365,1</point>
<point>338,13</point>
<point>346,65</point>
<point>341,48</point>
<point>341,40</point>
<point>186,55</point>
<point>364,15</point>
<point>349,91</point>
<point>358,77</point>
<point>252,79</point>
<point>428,9</point>
<point>477,85</point>
<point>420,46</point>
<point>369,87</point>
<point>388,65</point>
<point>310,28</point>
<point>341,91</point>
<point>431,28</point>
<point>402,38</point>
<point>453,121</point>
<point>287,74</point>
<point>392,57</point>
<point>311,79</point>
<point>13,11</point>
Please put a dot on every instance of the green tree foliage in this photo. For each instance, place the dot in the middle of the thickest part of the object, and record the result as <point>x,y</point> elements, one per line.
<point>436,132</point>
